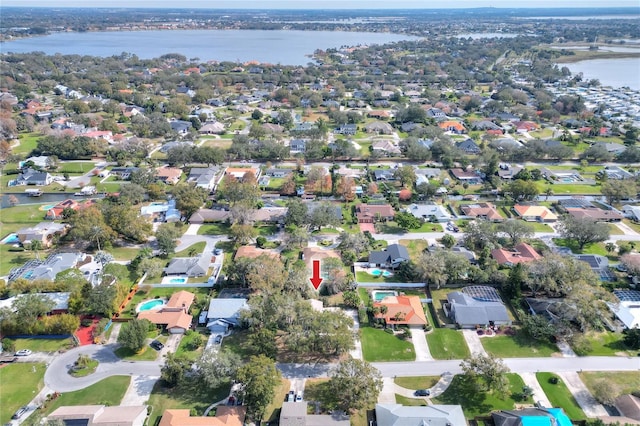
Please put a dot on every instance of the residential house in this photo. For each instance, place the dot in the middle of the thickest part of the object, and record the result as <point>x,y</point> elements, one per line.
<point>44,232</point>
<point>383,174</point>
<point>485,125</point>
<point>437,114</point>
<point>181,127</point>
<point>535,213</point>
<point>452,126</point>
<point>379,114</point>
<point>32,177</point>
<point>169,175</point>
<point>506,143</point>
<point>278,173</point>
<point>124,172</point>
<point>468,146</point>
<point>298,145</point>
<point>224,314</point>
<point>269,215</point>
<point>161,211</point>
<point>520,253</point>
<point>239,172</point>
<point>508,172</point>
<point>41,162</point>
<point>525,126</point>
<point>226,415</point>
<point>391,257</point>
<point>204,177</point>
<point>211,128</point>
<point>310,254</point>
<point>429,415</point>
<point>386,146</point>
<point>563,176</point>
<point>105,135</point>
<point>346,129</point>
<point>379,127</point>
<point>175,144</point>
<point>486,211</point>
<point>613,148</point>
<point>430,212</point>
<point>190,266</point>
<point>208,216</point>
<point>632,212</point>
<point>402,310</point>
<point>371,213</point>
<point>48,268</point>
<point>60,301</point>
<point>295,414</point>
<point>100,415</point>
<point>253,252</point>
<point>471,177</point>
<point>595,213</point>
<point>476,306</point>
<point>174,315</point>
<point>531,417</point>
<point>627,307</point>
<point>616,173</point>
<point>598,264</point>
<point>56,212</point>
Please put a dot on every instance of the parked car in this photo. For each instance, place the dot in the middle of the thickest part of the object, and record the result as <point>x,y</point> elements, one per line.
<point>291,396</point>
<point>299,396</point>
<point>19,413</point>
<point>217,252</point>
<point>422,392</point>
<point>156,345</point>
<point>24,352</point>
<point>218,339</point>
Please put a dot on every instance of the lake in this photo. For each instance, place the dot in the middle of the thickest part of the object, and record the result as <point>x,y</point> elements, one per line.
<point>50,198</point>
<point>611,72</point>
<point>276,47</point>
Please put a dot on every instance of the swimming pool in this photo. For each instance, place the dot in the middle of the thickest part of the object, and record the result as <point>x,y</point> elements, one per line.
<point>46,207</point>
<point>11,239</point>
<point>379,295</point>
<point>175,280</point>
<point>377,272</point>
<point>150,305</point>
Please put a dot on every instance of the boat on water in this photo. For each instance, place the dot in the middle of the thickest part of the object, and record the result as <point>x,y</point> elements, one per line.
<point>33,192</point>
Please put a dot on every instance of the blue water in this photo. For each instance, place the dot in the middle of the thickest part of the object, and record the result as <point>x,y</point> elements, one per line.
<point>379,295</point>
<point>276,47</point>
<point>150,304</point>
<point>27,275</point>
<point>178,280</point>
<point>11,239</point>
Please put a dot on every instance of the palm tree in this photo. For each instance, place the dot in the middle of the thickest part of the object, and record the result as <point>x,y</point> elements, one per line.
<point>36,245</point>
<point>548,192</point>
<point>610,247</point>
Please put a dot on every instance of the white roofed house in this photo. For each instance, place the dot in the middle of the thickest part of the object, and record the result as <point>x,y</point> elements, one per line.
<point>225,313</point>
<point>190,266</point>
<point>430,212</point>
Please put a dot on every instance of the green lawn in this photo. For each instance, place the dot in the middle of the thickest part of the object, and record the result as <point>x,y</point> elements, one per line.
<point>418,382</point>
<point>272,413</point>
<point>377,346</point>
<point>414,247</point>
<point>446,343</point>
<point>365,277</point>
<point>188,395</point>
<point>478,403</point>
<point>410,402</point>
<point>28,142</point>
<point>90,368</point>
<point>593,248</point>
<point>123,253</point>
<point>147,353</point>
<point>559,396</point>
<point>568,188</point>
<point>43,345</point>
<point>237,342</point>
<point>614,230</point>
<point>183,350</point>
<point>623,381</point>
<point>427,227</point>
<point>607,343</point>
<point>267,230</point>
<point>76,167</point>
<point>108,391</point>
<point>18,385</point>
<point>518,346</point>
<point>196,248</point>
<point>214,229</point>
<point>389,228</point>
<point>540,227</point>
<point>364,296</point>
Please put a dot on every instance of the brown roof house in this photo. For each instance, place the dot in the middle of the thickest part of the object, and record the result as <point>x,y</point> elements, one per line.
<point>174,314</point>
<point>100,415</point>
<point>253,252</point>
<point>485,211</point>
<point>594,213</point>
<point>521,253</point>
<point>402,310</point>
<point>468,176</point>
<point>535,213</point>
<point>370,213</point>
<point>168,175</point>
<point>225,416</point>
<point>295,414</point>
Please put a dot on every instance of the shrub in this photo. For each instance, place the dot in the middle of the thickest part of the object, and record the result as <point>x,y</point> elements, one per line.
<point>553,380</point>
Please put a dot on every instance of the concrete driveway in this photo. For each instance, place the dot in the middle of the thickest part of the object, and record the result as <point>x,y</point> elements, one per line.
<point>473,341</point>
<point>139,390</point>
<point>530,380</point>
<point>420,343</point>
<point>583,397</point>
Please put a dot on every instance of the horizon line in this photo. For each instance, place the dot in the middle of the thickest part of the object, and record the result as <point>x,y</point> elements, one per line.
<point>359,8</point>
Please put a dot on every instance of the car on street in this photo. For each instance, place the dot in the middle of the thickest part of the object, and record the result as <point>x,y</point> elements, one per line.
<point>156,345</point>
<point>24,352</point>
<point>19,413</point>
<point>422,392</point>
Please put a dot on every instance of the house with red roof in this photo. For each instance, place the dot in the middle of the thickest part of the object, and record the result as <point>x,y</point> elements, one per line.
<point>174,315</point>
<point>401,310</point>
<point>525,126</point>
<point>486,211</point>
<point>535,213</point>
<point>452,126</point>
<point>521,253</point>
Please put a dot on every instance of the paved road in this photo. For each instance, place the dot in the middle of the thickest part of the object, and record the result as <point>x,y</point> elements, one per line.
<point>58,379</point>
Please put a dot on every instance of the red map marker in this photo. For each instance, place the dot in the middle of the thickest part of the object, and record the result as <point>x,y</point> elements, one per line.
<point>315,279</point>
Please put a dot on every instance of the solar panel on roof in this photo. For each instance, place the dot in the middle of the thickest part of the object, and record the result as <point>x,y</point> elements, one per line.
<point>482,293</point>
<point>627,295</point>
<point>591,260</point>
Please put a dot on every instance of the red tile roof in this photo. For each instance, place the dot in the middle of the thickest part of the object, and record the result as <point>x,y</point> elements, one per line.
<point>521,253</point>
<point>408,310</point>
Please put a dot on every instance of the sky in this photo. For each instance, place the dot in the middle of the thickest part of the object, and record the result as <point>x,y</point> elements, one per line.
<point>324,4</point>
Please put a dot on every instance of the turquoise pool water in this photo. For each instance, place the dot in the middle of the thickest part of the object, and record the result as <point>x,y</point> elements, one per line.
<point>178,280</point>
<point>150,304</point>
<point>377,272</point>
<point>379,295</point>
<point>11,239</point>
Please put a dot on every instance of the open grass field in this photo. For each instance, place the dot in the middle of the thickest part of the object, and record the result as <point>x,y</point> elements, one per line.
<point>379,346</point>
<point>124,253</point>
<point>196,248</point>
<point>43,345</point>
<point>623,381</point>
<point>108,391</point>
<point>28,142</point>
<point>518,346</point>
<point>18,385</point>
<point>446,343</point>
<point>214,229</point>
<point>474,403</point>
<point>607,343</point>
<point>76,167</point>
<point>272,413</point>
<point>568,188</point>
<point>414,247</point>
<point>418,382</point>
<point>184,396</point>
<point>560,396</point>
